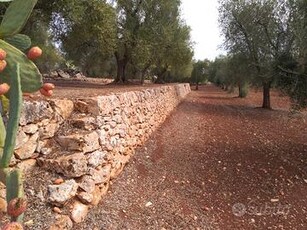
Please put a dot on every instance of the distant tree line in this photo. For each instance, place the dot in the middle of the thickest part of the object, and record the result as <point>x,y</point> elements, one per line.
<point>266,43</point>
<point>135,38</point>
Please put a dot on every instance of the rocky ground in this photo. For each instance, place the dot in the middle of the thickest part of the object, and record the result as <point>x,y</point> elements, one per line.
<point>218,162</point>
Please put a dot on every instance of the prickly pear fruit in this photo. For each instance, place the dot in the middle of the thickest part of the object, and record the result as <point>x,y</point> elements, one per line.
<point>34,53</point>
<point>2,65</point>
<point>47,93</point>
<point>2,54</point>
<point>48,86</point>
<point>16,207</point>
<point>12,226</point>
<point>4,88</point>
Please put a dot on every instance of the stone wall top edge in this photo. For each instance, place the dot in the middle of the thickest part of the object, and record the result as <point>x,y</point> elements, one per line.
<point>94,98</point>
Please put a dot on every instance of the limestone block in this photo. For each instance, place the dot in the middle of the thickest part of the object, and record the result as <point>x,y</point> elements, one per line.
<point>21,139</point>
<point>74,165</point>
<point>27,150</point>
<point>30,128</point>
<point>60,194</point>
<point>85,197</point>
<point>91,142</point>
<point>85,123</point>
<point>99,193</point>
<point>35,111</point>
<point>27,165</point>
<point>80,142</point>
<point>87,183</point>
<point>79,211</point>
<point>87,106</point>
<point>97,158</point>
<point>107,104</point>
<point>48,131</point>
<point>101,175</point>
<point>122,97</point>
<point>63,107</point>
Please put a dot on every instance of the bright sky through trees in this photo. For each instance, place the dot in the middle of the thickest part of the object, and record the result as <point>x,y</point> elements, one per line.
<point>202,17</point>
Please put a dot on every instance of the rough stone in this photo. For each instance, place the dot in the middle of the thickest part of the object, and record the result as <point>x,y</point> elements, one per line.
<point>35,111</point>
<point>60,194</point>
<point>62,74</point>
<point>72,142</point>
<point>91,142</point>
<point>48,131</point>
<point>44,147</point>
<point>27,165</point>
<point>85,198</point>
<point>99,193</point>
<point>85,123</point>
<point>63,222</point>
<point>80,142</point>
<point>45,151</point>
<point>30,128</point>
<point>102,134</point>
<point>79,212</point>
<point>108,104</point>
<point>27,150</point>
<point>101,175</point>
<point>119,161</point>
<point>87,183</point>
<point>97,158</point>
<point>13,161</point>
<point>74,165</point>
<point>21,139</point>
<point>63,107</point>
<point>87,106</point>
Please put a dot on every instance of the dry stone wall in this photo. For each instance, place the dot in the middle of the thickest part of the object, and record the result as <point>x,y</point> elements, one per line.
<point>87,141</point>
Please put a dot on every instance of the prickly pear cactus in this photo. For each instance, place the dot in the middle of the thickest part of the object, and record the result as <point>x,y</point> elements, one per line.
<point>13,21</point>
<point>18,75</point>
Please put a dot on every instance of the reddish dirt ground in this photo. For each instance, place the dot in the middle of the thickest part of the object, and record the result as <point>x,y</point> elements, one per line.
<point>218,162</point>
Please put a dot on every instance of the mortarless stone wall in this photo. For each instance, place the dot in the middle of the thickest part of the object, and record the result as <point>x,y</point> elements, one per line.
<point>88,141</point>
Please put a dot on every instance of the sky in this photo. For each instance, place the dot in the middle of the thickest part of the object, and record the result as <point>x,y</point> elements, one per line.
<point>202,17</point>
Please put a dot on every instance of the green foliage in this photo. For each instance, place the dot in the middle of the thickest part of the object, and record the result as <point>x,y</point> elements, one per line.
<point>15,111</point>
<point>31,79</point>
<point>19,41</point>
<point>16,17</point>
<point>148,32</point>
<point>261,31</point>
<point>97,41</point>
<point>200,71</point>
<point>23,76</point>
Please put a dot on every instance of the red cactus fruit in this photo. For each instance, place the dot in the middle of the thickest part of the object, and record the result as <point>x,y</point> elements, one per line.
<point>12,226</point>
<point>2,54</point>
<point>2,65</point>
<point>4,88</point>
<point>48,86</point>
<point>16,206</point>
<point>47,93</point>
<point>34,53</point>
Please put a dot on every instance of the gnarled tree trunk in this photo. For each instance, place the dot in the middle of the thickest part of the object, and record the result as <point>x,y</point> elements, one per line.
<point>121,69</point>
<point>266,104</point>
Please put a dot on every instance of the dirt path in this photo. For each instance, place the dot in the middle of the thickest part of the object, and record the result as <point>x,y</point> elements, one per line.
<point>217,163</point>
